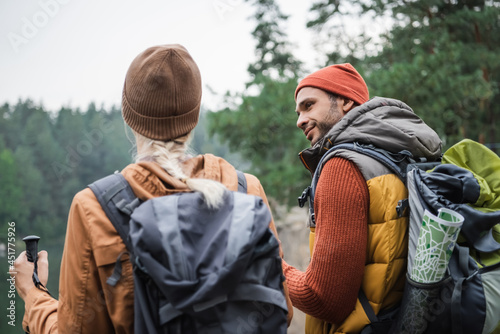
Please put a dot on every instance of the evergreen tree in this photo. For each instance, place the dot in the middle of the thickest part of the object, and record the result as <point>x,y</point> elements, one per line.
<point>272,49</point>
<point>35,172</point>
<point>113,149</point>
<point>440,57</point>
<point>11,194</point>
<point>259,123</point>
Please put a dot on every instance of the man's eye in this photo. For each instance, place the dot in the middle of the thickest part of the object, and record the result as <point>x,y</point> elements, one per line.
<point>308,105</point>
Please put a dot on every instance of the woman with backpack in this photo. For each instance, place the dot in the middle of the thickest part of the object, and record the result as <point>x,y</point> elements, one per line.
<point>161,104</point>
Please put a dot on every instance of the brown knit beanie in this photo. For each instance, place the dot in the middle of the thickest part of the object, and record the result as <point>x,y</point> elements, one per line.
<point>341,79</point>
<point>162,93</point>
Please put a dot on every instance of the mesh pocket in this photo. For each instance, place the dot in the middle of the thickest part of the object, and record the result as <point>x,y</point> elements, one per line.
<point>425,307</point>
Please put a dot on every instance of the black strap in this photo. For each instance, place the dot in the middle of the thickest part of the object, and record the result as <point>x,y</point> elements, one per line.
<point>243,292</point>
<point>456,297</point>
<point>117,271</point>
<point>463,260</point>
<point>118,201</point>
<point>456,302</point>
<point>304,196</point>
<point>367,307</point>
<point>242,182</point>
<point>167,313</point>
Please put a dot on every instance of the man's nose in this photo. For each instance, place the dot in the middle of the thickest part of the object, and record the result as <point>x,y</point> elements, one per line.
<point>302,121</point>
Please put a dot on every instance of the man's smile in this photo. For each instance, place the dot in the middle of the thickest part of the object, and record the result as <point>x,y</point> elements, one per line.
<point>308,133</point>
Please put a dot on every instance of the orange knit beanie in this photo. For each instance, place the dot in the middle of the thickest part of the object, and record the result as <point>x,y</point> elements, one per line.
<point>341,79</point>
<point>162,93</point>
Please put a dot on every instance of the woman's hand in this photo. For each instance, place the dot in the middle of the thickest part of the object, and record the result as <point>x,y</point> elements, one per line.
<point>23,272</point>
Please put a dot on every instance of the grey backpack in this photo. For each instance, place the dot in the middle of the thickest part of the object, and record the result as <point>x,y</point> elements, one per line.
<point>198,270</point>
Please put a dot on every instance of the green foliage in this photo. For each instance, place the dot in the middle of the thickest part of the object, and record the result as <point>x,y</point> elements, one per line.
<point>340,36</point>
<point>53,156</point>
<point>10,193</point>
<point>203,142</point>
<point>443,61</point>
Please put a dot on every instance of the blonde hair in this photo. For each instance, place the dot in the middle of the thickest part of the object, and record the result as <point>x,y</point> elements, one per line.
<point>169,155</point>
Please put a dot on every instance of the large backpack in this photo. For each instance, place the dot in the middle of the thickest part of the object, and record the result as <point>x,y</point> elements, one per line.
<point>198,270</point>
<point>467,299</point>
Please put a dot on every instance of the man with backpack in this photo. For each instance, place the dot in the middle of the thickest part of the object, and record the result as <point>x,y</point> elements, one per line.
<point>102,268</point>
<point>358,223</point>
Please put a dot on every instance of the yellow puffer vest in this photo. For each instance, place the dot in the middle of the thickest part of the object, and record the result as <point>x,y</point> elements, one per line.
<point>385,268</point>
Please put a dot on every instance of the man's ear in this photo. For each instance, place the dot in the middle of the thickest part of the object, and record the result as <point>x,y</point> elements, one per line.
<point>347,105</point>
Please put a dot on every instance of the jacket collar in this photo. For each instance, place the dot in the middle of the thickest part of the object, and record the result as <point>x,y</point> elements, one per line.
<point>148,179</point>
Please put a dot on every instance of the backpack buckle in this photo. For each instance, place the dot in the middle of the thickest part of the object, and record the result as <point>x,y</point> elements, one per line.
<point>402,206</point>
<point>128,208</point>
<point>311,222</point>
<point>305,195</point>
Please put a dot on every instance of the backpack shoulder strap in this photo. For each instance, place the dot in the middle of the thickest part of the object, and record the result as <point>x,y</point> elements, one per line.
<point>242,182</point>
<point>118,202</point>
<point>395,162</point>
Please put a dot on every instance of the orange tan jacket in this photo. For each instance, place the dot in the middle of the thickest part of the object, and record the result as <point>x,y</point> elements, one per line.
<point>86,303</point>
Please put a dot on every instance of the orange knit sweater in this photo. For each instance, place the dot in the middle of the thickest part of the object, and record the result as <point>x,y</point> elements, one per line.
<point>329,287</point>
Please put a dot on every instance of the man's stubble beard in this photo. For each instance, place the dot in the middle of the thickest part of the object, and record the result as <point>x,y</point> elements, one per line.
<point>333,117</point>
